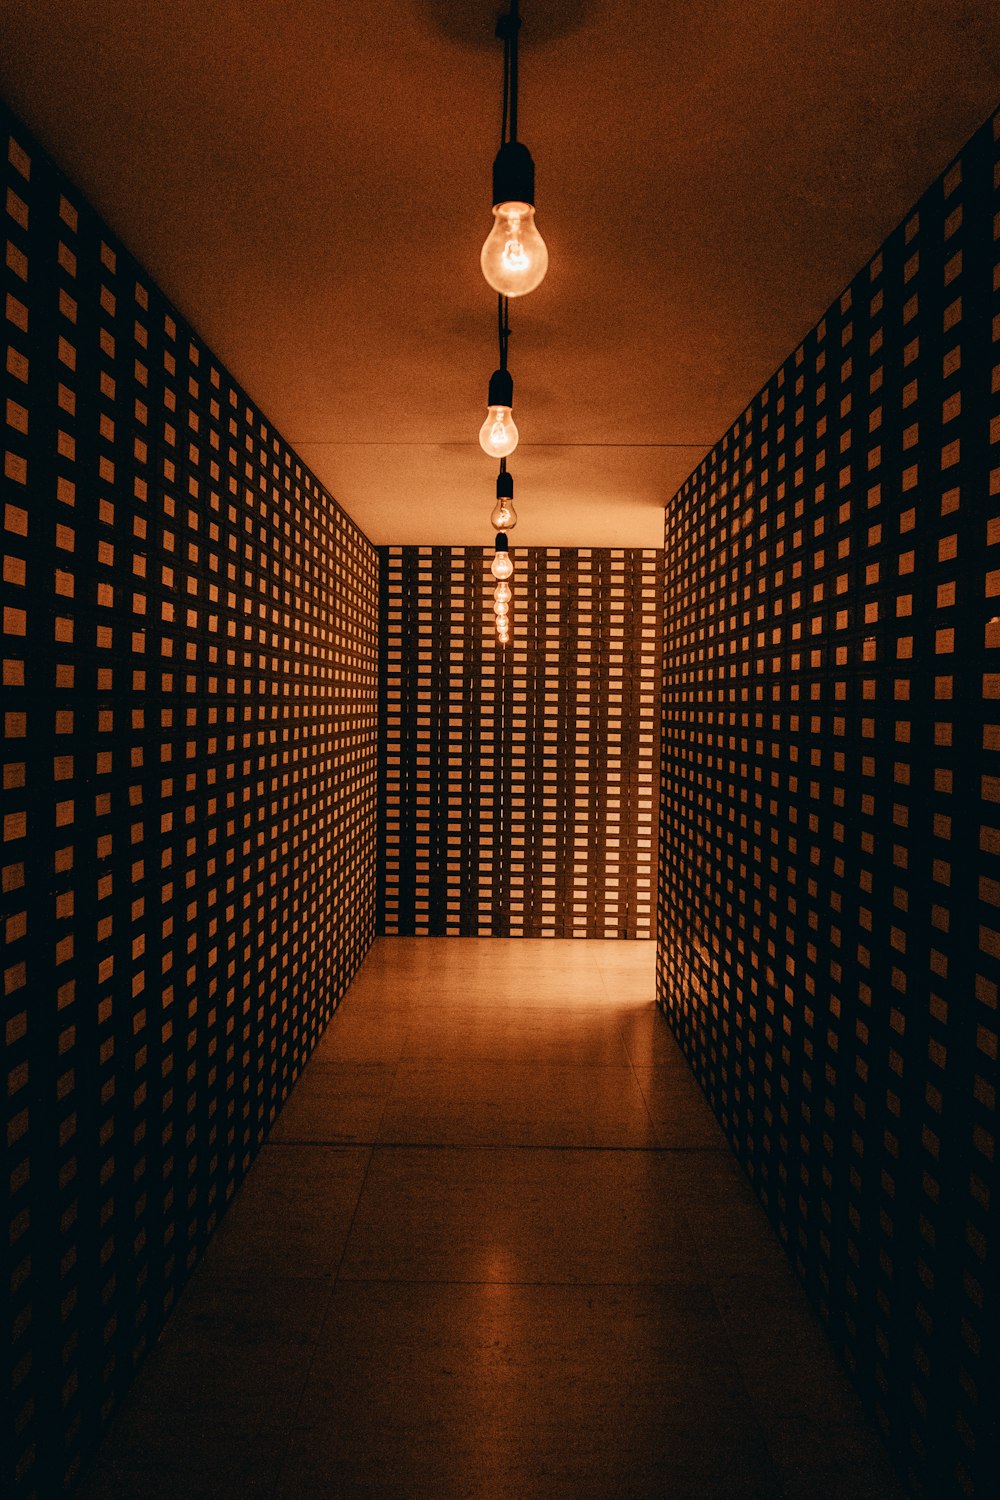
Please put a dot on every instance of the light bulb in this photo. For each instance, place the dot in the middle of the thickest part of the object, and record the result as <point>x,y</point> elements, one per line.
<point>504,516</point>
<point>502,592</point>
<point>498,434</point>
<point>514,258</point>
<point>501,567</point>
<point>501,609</point>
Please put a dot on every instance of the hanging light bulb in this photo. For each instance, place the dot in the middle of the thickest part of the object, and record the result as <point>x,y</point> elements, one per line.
<point>501,567</point>
<point>503,515</point>
<point>514,261</point>
<point>514,258</point>
<point>498,434</point>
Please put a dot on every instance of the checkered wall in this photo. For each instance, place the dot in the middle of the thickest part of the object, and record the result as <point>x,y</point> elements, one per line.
<point>517,792</point>
<point>189,780</point>
<point>829,901</point>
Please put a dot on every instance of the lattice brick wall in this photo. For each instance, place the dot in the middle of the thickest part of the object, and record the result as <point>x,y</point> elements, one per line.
<point>829,918</point>
<point>518,789</point>
<point>190,715</point>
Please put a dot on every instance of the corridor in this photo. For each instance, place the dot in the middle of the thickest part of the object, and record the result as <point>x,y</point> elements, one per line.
<point>495,1247</point>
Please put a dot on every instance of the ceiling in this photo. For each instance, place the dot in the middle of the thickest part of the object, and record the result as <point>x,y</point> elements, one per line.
<point>310,181</point>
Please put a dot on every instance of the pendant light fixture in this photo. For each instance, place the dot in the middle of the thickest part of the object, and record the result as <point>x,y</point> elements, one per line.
<point>514,258</point>
<point>514,261</point>
<point>503,515</point>
<point>504,519</point>
<point>498,435</point>
<point>501,567</point>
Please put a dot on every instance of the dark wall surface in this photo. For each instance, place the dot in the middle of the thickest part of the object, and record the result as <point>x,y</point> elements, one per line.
<point>190,723</point>
<point>518,792</point>
<point>829,904</point>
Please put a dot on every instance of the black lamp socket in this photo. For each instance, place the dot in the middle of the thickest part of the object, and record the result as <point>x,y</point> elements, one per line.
<point>513,175</point>
<point>501,389</point>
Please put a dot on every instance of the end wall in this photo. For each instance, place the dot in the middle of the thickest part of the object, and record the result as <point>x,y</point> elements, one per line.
<point>190,711</point>
<point>518,791</point>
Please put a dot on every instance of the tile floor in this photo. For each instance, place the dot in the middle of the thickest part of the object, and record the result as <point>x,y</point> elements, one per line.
<point>496,1249</point>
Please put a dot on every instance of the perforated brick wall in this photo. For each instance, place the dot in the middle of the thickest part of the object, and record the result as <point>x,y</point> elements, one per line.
<point>518,794</point>
<point>829,906</point>
<point>190,724</point>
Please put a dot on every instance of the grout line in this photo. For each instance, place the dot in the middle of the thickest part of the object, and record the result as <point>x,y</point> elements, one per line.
<point>679,1281</point>
<point>456,1059</point>
<point>463,443</point>
<point>723,1150</point>
<point>631,1062</point>
<point>293,1421</point>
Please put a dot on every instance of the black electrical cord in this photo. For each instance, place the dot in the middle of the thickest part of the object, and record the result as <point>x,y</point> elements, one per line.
<point>507,28</point>
<point>515,24</point>
<point>503,328</point>
<point>506,88</point>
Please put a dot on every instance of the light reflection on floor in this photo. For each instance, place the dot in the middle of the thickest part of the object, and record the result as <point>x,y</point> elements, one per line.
<point>495,1247</point>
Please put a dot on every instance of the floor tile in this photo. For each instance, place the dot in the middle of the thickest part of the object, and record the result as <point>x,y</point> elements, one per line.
<point>336,1101</point>
<point>679,1110</point>
<point>184,1461</point>
<point>648,1038</point>
<point>491,973</point>
<point>292,1214</point>
<point>524,1391</point>
<point>365,1033</point>
<point>787,1365</point>
<point>836,1463</point>
<point>557,1034</point>
<point>234,1353</point>
<point>503,1104</point>
<point>631,975</point>
<point>522,1216</point>
<point>518,988</point>
<point>211,1410</point>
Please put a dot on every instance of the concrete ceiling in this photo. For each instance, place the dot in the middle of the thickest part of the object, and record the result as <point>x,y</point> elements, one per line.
<point>309,182</point>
